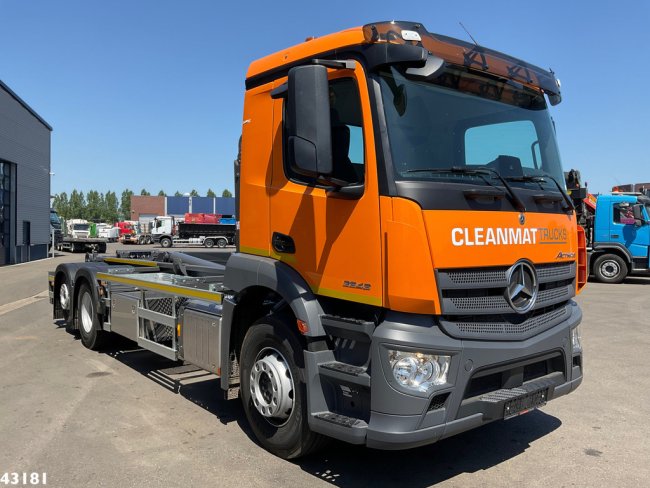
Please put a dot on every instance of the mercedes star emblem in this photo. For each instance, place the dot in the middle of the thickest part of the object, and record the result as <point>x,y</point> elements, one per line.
<point>522,288</point>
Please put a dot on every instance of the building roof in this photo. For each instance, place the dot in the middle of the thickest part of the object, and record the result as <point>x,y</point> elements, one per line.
<point>24,104</point>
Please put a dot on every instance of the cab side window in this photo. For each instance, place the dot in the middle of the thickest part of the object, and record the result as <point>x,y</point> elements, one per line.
<point>347,135</point>
<point>623,214</point>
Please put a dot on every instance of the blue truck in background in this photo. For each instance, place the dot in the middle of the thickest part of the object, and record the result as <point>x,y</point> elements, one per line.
<point>617,230</point>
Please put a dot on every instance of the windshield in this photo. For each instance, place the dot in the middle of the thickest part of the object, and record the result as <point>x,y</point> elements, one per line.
<point>465,120</point>
<point>81,226</point>
<point>54,220</point>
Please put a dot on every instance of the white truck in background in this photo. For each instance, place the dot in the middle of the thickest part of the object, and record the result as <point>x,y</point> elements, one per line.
<point>77,238</point>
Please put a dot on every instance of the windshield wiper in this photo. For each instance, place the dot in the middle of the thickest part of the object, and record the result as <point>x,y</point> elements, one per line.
<point>542,179</point>
<point>519,205</point>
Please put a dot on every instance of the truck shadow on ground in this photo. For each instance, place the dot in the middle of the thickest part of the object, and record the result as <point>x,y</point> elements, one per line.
<point>346,465</point>
<point>194,384</point>
<point>480,449</point>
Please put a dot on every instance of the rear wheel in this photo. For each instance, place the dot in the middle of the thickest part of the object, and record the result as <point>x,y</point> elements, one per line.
<point>610,268</point>
<point>222,242</point>
<point>165,242</point>
<point>273,389</point>
<point>73,247</point>
<point>90,329</point>
<point>208,243</point>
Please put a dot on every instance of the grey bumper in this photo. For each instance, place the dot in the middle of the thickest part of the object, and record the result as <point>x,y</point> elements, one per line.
<point>401,419</point>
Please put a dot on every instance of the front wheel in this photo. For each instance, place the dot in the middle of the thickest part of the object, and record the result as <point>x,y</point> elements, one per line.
<point>610,268</point>
<point>273,389</point>
<point>166,242</point>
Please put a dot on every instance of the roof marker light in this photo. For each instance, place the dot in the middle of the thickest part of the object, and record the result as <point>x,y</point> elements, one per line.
<point>409,35</point>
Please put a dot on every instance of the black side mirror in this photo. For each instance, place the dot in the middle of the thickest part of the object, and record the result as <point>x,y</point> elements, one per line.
<point>309,138</point>
<point>638,215</point>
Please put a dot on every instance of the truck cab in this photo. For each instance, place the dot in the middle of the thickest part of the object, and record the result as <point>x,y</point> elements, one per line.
<point>621,237</point>
<point>78,228</point>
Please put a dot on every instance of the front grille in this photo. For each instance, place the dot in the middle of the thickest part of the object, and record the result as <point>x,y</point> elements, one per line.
<point>474,303</point>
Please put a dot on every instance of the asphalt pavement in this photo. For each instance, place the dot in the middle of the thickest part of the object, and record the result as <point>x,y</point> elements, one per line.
<point>125,417</point>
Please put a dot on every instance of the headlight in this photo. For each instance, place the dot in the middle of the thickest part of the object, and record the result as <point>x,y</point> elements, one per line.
<point>418,371</point>
<point>575,339</point>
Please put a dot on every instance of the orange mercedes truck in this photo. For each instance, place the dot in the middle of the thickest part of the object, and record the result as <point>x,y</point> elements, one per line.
<point>407,256</point>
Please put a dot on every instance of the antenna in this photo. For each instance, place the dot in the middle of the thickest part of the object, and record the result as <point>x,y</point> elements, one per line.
<point>470,35</point>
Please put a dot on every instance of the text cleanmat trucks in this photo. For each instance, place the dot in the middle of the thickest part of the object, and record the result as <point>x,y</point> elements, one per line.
<point>406,260</point>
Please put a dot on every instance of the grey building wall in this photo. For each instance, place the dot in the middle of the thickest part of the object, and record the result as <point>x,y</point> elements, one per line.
<point>25,141</point>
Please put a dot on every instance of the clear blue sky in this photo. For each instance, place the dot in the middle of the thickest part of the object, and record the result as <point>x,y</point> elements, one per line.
<point>148,93</point>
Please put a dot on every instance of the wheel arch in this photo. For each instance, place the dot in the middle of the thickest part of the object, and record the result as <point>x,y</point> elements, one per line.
<point>260,284</point>
<point>611,248</point>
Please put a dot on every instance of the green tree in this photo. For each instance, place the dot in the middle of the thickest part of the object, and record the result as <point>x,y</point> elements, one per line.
<point>144,193</point>
<point>194,193</point>
<point>210,193</point>
<point>162,193</point>
<point>125,204</point>
<point>110,212</point>
<point>226,193</point>
<point>94,205</point>
<point>77,205</point>
<point>178,194</point>
<point>61,205</point>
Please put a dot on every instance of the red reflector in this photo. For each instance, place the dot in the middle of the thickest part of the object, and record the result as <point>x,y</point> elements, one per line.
<point>582,259</point>
<point>302,326</point>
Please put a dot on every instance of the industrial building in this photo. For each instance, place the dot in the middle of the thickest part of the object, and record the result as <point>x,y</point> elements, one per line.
<point>24,181</point>
<point>146,208</point>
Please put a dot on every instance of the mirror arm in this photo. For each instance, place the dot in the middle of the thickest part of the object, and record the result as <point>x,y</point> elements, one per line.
<point>348,192</point>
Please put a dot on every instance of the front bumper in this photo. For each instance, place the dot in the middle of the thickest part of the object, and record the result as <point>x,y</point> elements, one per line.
<point>483,376</point>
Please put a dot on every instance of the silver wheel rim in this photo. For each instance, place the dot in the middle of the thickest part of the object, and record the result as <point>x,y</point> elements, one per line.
<point>64,297</point>
<point>87,313</point>
<point>271,386</point>
<point>610,269</point>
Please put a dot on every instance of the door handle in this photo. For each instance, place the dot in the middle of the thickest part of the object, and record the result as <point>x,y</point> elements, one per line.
<point>283,243</point>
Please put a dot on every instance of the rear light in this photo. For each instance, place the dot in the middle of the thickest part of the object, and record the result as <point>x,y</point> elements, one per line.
<point>582,260</point>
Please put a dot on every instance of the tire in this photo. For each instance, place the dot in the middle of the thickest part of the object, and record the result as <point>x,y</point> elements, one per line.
<point>90,329</point>
<point>610,268</point>
<point>165,242</point>
<point>64,295</point>
<point>222,242</point>
<point>148,240</point>
<point>73,247</point>
<point>273,389</point>
<point>208,243</point>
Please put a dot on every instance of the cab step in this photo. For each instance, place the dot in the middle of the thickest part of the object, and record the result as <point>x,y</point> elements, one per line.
<point>346,373</point>
<point>348,328</point>
<point>342,420</point>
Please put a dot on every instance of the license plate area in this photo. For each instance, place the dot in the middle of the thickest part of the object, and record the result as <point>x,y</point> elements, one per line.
<point>525,403</point>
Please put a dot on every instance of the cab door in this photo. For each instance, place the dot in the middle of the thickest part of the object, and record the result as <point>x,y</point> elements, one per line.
<point>624,230</point>
<point>333,242</point>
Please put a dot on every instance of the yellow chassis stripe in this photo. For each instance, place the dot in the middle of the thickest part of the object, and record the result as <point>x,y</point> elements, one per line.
<point>171,289</point>
<point>135,262</point>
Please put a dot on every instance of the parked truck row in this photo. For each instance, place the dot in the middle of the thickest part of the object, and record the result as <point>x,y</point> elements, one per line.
<point>207,230</point>
<point>400,277</point>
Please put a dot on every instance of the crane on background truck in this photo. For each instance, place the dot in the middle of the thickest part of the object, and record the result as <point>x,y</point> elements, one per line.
<point>400,276</point>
